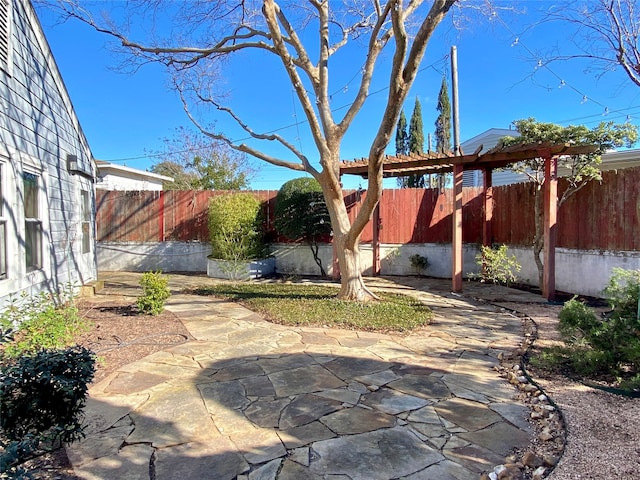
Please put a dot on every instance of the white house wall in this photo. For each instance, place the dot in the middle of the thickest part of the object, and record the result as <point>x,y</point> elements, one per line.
<point>38,130</point>
<point>124,181</point>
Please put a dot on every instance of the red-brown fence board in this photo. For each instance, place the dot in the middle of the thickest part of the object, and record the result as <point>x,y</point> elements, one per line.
<point>424,215</point>
<point>598,217</point>
<point>632,211</point>
<point>127,216</point>
<point>151,216</point>
<point>513,214</point>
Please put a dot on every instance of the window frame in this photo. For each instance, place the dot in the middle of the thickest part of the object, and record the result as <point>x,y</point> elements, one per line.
<point>33,232</point>
<point>85,221</point>
<point>3,225</point>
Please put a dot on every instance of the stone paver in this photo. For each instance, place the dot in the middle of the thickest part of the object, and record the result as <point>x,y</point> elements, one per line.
<point>249,400</point>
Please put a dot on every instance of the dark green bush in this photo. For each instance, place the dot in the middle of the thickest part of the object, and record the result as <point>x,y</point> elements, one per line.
<point>43,394</point>
<point>301,214</point>
<point>155,292</point>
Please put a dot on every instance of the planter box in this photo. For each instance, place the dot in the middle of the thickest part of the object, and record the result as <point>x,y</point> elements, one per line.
<point>241,271</point>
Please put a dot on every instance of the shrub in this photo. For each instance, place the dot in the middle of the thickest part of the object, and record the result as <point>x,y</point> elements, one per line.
<point>623,291</point>
<point>41,399</point>
<point>44,321</point>
<point>155,292</point>
<point>43,394</point>
<point>609,344</point>
<point>419,262</point>
<point>576,321</point>
<point>496,265</point>
<point>235,227</point>
<point>301,214</point>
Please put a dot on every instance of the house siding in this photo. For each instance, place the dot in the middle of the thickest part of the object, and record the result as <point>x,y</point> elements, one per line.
<point>38,129</point>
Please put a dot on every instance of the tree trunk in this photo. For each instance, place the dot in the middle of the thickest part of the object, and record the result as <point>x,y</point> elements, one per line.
<point>538,239</point>
<point>346,238</point>
<point>352,283</point>
<point>313,245</point>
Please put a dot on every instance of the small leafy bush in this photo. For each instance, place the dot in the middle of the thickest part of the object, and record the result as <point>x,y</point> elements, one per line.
<point>43,321</point>
<point>577,320</point>
<point>155,292</point>
<point>419,262</point>
<point>496,265</point>
<point>605,344</point>
<point>41,400</point>
<point>622,291</point>
<point>236,227</point>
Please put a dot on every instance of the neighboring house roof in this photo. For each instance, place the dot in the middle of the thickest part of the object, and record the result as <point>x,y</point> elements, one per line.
<point>620,159</point>
<point>489,139</point>
<point>119,177</point>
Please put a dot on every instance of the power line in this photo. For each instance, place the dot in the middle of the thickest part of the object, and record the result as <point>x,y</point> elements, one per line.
<point>285,127</point>
<point>540,64</point>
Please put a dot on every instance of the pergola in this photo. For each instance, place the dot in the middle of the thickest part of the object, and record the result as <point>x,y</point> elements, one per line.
<point>499,157</point>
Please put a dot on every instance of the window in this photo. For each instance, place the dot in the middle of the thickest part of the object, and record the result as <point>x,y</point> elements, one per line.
<point>86,221</point>
<point>3,229</point>
<point>5,34</point>
<point>33,224</point>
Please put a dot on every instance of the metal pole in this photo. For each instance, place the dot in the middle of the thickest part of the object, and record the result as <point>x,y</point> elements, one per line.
<point>456,244</point>
<point>454,92</point>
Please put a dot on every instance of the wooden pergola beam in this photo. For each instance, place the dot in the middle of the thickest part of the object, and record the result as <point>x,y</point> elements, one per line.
<point>398,166</point>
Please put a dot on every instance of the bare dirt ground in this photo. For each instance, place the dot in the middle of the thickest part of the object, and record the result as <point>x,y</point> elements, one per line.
<point>603,430</point>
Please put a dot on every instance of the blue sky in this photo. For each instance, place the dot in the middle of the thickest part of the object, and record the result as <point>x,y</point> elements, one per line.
<point>126,116</point>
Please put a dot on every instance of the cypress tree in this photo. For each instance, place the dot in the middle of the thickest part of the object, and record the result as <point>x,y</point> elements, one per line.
<point>443,129</point>
<point>416,143</point>
<point>402,144</point>
<point>416,131</point>
<point>443,122</point>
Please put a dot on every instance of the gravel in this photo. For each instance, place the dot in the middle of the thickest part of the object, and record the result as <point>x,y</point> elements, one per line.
<point>603,429</point>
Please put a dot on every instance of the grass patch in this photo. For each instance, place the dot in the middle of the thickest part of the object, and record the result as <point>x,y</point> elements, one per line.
<point>303,304</point>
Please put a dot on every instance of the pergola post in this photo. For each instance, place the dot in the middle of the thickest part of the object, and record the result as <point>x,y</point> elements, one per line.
<point>456,247</point>
<point>550,225</point>
<point>376,241</point>
<point>487,211</point>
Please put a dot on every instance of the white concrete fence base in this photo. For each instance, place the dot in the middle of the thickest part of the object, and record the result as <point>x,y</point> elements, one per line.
<point>583,272</point>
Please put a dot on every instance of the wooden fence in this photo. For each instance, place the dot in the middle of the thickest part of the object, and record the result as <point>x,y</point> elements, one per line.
<point>599,217</point>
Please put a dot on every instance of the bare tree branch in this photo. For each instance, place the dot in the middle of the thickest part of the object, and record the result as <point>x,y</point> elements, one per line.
<point>605,34</point>
<point>305,38</point>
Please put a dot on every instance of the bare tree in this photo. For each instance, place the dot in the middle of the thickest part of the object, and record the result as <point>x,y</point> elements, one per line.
<point>197,162</point>
<point>303,37</point>
<point>605,34</point>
